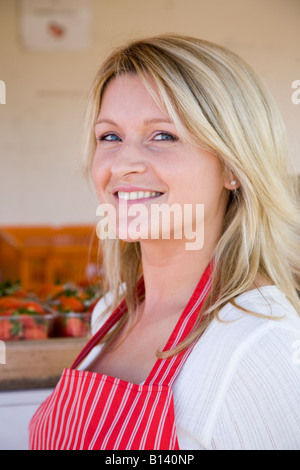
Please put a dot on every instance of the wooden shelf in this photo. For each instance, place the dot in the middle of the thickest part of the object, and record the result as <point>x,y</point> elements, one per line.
<point>37,364</point>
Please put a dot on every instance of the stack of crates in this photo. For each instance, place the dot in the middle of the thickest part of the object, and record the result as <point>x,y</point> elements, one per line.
<point>39,255</point>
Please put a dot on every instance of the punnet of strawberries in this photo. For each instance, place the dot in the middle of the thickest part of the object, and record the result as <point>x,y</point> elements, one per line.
<point>54,310</point>
<point>73,304</point>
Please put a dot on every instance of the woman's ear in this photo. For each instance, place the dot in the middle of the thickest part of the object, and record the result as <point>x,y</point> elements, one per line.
<point>231,182</point>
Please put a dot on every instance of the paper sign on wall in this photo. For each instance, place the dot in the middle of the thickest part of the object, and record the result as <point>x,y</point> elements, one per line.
<point>55,24</point>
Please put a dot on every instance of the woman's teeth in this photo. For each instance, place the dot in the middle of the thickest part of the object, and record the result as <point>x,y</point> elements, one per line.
<point>137,195</point>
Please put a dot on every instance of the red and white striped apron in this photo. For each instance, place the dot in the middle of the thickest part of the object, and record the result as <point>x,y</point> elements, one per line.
<point>92,411</point>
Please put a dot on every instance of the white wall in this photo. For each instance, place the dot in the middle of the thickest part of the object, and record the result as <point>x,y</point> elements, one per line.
<point>40,124</point>
<point>16,410</point>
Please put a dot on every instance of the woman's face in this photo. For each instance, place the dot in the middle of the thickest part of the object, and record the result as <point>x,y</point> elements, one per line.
<point>142,162</point>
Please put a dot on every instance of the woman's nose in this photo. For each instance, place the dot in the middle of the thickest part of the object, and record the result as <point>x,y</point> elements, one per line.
<point>129,159</point>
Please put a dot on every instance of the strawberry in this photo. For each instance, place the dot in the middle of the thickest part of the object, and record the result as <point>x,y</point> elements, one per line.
<point>9,302</point>
<point>70,304</point>
<point>75,327</point>
<point>5,329</point>
<point>34,307</point>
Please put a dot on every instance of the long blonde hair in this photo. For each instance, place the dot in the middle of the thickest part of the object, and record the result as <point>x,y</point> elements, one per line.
<point>218,102</point>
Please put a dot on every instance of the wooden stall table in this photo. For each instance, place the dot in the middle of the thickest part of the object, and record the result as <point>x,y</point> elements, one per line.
<point>37,364</point>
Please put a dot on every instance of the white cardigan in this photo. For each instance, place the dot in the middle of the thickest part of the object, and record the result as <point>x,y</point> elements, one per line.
<point>240,386</point>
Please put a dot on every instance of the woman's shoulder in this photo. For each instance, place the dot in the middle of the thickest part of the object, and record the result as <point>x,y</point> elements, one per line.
<point>237,335</point>
<point>243,359</point>
<point>261,304</point>
<point>253,314</point>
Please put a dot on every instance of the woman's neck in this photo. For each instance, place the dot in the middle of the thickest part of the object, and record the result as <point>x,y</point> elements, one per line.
<point>171,274</point>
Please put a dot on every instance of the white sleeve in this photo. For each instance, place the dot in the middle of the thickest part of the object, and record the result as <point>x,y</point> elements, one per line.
<point>261,408</point>
<point>98,319</point>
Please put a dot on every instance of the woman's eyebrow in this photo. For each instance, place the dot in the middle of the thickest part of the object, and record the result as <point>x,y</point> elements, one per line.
<point>146,122</point>
<point>106,121</point>
<point>158,120</point>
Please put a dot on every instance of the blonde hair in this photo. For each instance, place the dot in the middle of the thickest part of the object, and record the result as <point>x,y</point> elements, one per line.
<point>216,101</point>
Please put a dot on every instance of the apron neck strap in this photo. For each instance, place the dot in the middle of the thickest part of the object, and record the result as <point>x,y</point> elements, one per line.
<point>165,371</point>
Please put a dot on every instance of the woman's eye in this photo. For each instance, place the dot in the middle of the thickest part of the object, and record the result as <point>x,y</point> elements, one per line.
<point>109,138</point>
<point>165,136</point>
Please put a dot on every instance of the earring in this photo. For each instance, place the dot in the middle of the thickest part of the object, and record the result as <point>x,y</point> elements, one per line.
<point>233,183</point>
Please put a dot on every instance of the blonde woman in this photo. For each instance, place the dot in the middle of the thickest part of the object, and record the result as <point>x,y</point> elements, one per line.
<point>199,345</point>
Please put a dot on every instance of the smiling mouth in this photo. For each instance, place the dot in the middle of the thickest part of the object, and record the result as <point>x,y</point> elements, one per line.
<point>136,195</point>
